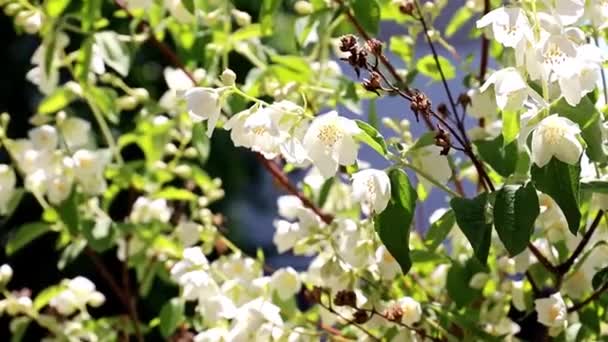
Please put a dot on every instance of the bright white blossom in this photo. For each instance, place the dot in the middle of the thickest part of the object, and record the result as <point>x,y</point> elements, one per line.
<point>204,104</point>
<point>146,210</point>
<point>372,188</point>
<point>330,142</point>
<point>8,181</point>
<point>556,136</point>
<point>412,311</point>
<point>286,282</point>
<point>79,293</point>
<point>551,311</point>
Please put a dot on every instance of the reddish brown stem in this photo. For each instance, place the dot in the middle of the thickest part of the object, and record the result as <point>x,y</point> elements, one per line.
<point>485,47</point>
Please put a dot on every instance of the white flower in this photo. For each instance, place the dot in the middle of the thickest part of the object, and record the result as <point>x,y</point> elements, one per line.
<point>330,142</point>
<point>286,282</point>
<point>204,104</point>
<point>178,82</point>
<point>551,311</point>
<point>598,13</point>
<point>217,334</point>
<point>517,295</point>
<point>430,160</point>
<point>287,234</point>
<point>479,280</point>
<point>570,11</point>
<point>556,136</point>
<point>373,189</point>
<point>578,283</point>
<point>7,186</point>
<point>215,308</point>
<point>510,88</point>
<point>387,265</point>
<point>412,311</point>
<point>79,293</point>
<point>179,12</point>
<point>146,210</point>
<point>32,22</point>
<point>483,104</point>
<point>59,187</point>
<point>44,138</point>
<point>188,232</point>
<point>76,132</point>
<point>47,80</point>
<point>510,26</point>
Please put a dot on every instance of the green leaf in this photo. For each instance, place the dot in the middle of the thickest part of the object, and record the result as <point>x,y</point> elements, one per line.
<point>171,315</point>
<point>503,159</point>
<point>457,281</point>
<point>439,230</point>
<point>600,278</point>
<point>91,11</point>
<point>458,20</point>
<point>372,137</point>
<point>471,218</point>
<point>424,140</point>
<point>54,8</point>
<point>393,224</point>
<point>45,296</point>
<point>24,235</point>
<point>367,13</point>
<point>510,127</point>
<point>589,119</point>
<point>18,327</point>
<point>267,13</point>
<point>175,194</point>
<point>104,99</point>
<point>561,181</point>
<point>372,114</point>
<point>325,189</point>
<point>595,186</point>
<point>427,66</point>
<point>201,142</point>
<point>56,101</point>
<point>402,46</point>
<point>515,210</point>
<point>114,51</point>
<point>68,212</point>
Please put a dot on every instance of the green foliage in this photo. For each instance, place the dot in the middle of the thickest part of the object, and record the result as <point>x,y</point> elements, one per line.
<point>114,52</point>
<point>372,137</point>
<point>502,159</point>
<point>368,13</point>
<point>171,316</point>
<point>24,235</point>
<point>427,66</point>
<point>515,211</point>
<point>56,101</point>
<point>472,221</point>
<point>439,230</point>
<point>457,281</point>
<point>393,224</point>
<point>562,182</point>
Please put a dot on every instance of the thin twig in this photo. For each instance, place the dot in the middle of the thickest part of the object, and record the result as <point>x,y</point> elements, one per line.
<point>485,47</point>
<point>350,322</point>
<point>591,298</point>
<point>542,259</point>
<point>127,290</point>
<point>566,265</point>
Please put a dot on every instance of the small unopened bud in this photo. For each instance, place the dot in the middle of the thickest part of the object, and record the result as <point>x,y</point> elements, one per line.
<point>32,22</point>
<point>241,18</point>
<point>348,42</point>
<point>127,102</point>
<point>6,273</point>
<point>170,149</point>
<point>74,87</point>
<point>228,77</point>
<point>12,9</point>
<point>432,34</point>
<point>190,152</point>
<point>442,109</point>
<point>199,74</point>
<point>373,83</point>
<point>303,7</point>
<point>183,171</point>
<point>429,5</point>
<point>141,94</point>
<point>374,46</point>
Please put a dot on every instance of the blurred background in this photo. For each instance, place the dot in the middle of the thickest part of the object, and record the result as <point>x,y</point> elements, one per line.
<point>250,202</point>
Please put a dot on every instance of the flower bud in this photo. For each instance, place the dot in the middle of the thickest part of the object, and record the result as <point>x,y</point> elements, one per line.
<point>170,149</point>
<point>6,273</point>
<point>190,152</point>
<point>184,171</point>
<point>31,21</point>
<point>141,94</point>
<point>228,78</point>
<point>127,102</point>
<point>241,18</point>
<point>303,7</point>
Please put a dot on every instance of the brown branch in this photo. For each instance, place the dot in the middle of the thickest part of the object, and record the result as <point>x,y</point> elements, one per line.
<point>590,299</point>
<point>122,294</point>
<point>542,259</point>
<point>127,290</point>
<point>485,47</point>
<point>566,265</point>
